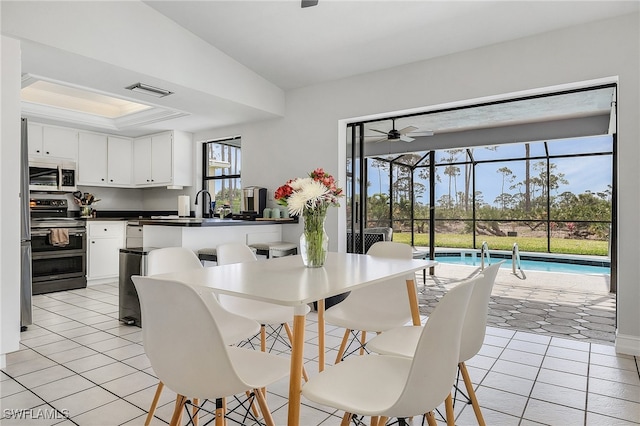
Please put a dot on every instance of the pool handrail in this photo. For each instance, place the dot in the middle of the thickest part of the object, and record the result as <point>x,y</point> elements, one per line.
<point>515,259</point>
<point>484,251</point>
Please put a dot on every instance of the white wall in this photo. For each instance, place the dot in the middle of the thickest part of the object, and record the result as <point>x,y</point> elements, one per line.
<point>10,201</point>
<point>307,136</point>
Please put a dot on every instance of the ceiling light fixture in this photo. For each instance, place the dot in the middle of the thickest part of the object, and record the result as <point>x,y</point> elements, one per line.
<point>149,90</point>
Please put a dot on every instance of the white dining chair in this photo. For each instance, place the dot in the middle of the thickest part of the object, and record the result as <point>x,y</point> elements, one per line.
<point>376,308</point>
<point>187,350</point>
<point>383,386</point>
<point>402,341</point>
<point>267,314</point>
<point>234,328</point>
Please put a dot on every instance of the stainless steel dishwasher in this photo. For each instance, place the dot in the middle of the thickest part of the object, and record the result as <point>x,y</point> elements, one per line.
<point>133,261</point>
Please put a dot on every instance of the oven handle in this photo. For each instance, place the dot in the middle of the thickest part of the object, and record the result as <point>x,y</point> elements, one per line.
<point>77,233</point>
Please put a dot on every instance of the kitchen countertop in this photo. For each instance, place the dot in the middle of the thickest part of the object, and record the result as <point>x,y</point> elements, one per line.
<point>200,222</point>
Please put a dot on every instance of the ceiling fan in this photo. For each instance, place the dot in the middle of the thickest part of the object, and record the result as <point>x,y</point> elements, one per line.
<point>404,134</point>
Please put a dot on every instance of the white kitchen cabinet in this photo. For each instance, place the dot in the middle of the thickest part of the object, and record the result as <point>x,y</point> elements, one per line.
<point>165,159</point>
<point>49,141</point>
<point>92,159</point>
<point>105,239</point>
<point>104,160</point>
<point>119,161</point>
<point>34,135</point>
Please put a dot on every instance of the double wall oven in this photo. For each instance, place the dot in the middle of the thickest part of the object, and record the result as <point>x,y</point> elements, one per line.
<point>58,247</point>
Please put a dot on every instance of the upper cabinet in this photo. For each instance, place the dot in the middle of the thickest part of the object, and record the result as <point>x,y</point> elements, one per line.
<point>104,160</point>
<point>165,159</point>
<point>49,141</point>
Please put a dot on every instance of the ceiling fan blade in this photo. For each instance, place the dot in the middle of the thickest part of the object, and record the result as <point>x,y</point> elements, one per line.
<point>309,3</point>
<point>379,131</point>
<point>421,133</point>
<point>405,138</point>
<point>407,129</point>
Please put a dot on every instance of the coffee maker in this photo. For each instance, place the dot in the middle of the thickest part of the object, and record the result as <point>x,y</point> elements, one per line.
<point>254,201</point>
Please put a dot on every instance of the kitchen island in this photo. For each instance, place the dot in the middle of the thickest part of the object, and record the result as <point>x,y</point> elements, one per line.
<point>197,233</point>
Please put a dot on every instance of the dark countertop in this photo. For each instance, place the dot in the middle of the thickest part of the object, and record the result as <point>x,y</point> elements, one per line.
<point>199,222</point>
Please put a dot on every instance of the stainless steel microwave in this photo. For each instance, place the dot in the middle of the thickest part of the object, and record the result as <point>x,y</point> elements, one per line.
<point>52,175</point>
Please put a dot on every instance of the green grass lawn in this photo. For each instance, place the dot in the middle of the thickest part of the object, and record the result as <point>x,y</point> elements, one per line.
<point>531,244</point>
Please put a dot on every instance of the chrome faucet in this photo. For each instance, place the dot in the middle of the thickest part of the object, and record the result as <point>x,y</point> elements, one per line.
<point>204,191</point>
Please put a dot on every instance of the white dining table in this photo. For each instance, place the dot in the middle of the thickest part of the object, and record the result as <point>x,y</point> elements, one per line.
<point>286,281</point>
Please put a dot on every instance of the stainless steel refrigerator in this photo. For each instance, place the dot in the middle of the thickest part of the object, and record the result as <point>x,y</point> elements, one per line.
<point>25,233</point>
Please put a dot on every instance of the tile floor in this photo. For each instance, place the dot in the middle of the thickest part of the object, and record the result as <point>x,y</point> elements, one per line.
<point>79,366</point>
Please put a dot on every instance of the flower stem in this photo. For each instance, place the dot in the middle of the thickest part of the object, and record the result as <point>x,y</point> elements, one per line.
<point>314,250</point>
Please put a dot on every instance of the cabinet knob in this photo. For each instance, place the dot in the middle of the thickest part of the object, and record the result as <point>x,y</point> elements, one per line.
<point>37,150</point>
<point>93,242</point>
<point>47,152</point>
<point>102,179</point>
<point>105,229</point>
<point>110,180</point>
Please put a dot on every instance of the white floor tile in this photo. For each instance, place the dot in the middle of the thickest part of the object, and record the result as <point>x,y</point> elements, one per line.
<point>89,363</point>
<point>63,387</point>
<point>109,372</point>
<point>614,374</point>
<point>117,412</point>
<point>559,378</point>
<point>553,414</point>
<point>498,400</point>
<point>20,400</point>
<point>84,401</point>
<point>42,377</point>
<point>508,383</point>
<point>130,384</point>
<point>10,387</point>
<point>614,407</point>
<point>560,395</point>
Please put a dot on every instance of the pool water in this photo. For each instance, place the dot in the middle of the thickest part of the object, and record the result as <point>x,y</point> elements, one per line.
<point>529,265</point>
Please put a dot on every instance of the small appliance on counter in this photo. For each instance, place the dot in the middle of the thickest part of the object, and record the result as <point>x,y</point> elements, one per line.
<point>254,201</point>
<point>184,206</point>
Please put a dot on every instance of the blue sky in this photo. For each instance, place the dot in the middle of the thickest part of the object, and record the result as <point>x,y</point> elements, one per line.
<point>583,173</point>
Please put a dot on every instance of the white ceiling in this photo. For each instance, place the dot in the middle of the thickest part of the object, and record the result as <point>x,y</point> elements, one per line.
<point>289,46</point>
<point>294,47</point>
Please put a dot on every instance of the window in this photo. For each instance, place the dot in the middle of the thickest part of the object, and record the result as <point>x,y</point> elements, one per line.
<point>221,162</point>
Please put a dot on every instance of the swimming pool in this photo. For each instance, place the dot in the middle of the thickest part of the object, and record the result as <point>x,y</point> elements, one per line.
<point>540,264</point>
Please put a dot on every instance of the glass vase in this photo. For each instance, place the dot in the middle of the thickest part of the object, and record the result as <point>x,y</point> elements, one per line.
<point>314,241</point>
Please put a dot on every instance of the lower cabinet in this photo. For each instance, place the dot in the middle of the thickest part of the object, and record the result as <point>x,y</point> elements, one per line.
<point>105,239</point>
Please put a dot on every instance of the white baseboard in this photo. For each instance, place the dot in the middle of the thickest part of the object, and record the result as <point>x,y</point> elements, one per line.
<point>98,281</point>
<point>628,345</point>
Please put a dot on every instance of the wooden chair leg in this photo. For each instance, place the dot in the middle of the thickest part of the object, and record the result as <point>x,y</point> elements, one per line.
<point>431,419</point>
<point>262,402</point>
<point>305,376</point>
<point>263,338</point>
<point>221,407</point>
<point>346,419</point>
<point>194,412</point>
<point>343,345</point>
<point>255,410</point>
<point>448,403</point>
<point>472,394</point>
<point>374,420</point>
<point>177,411</point>
<point>154,404</point>
<point>363,340</point>
<point>383,420</point>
